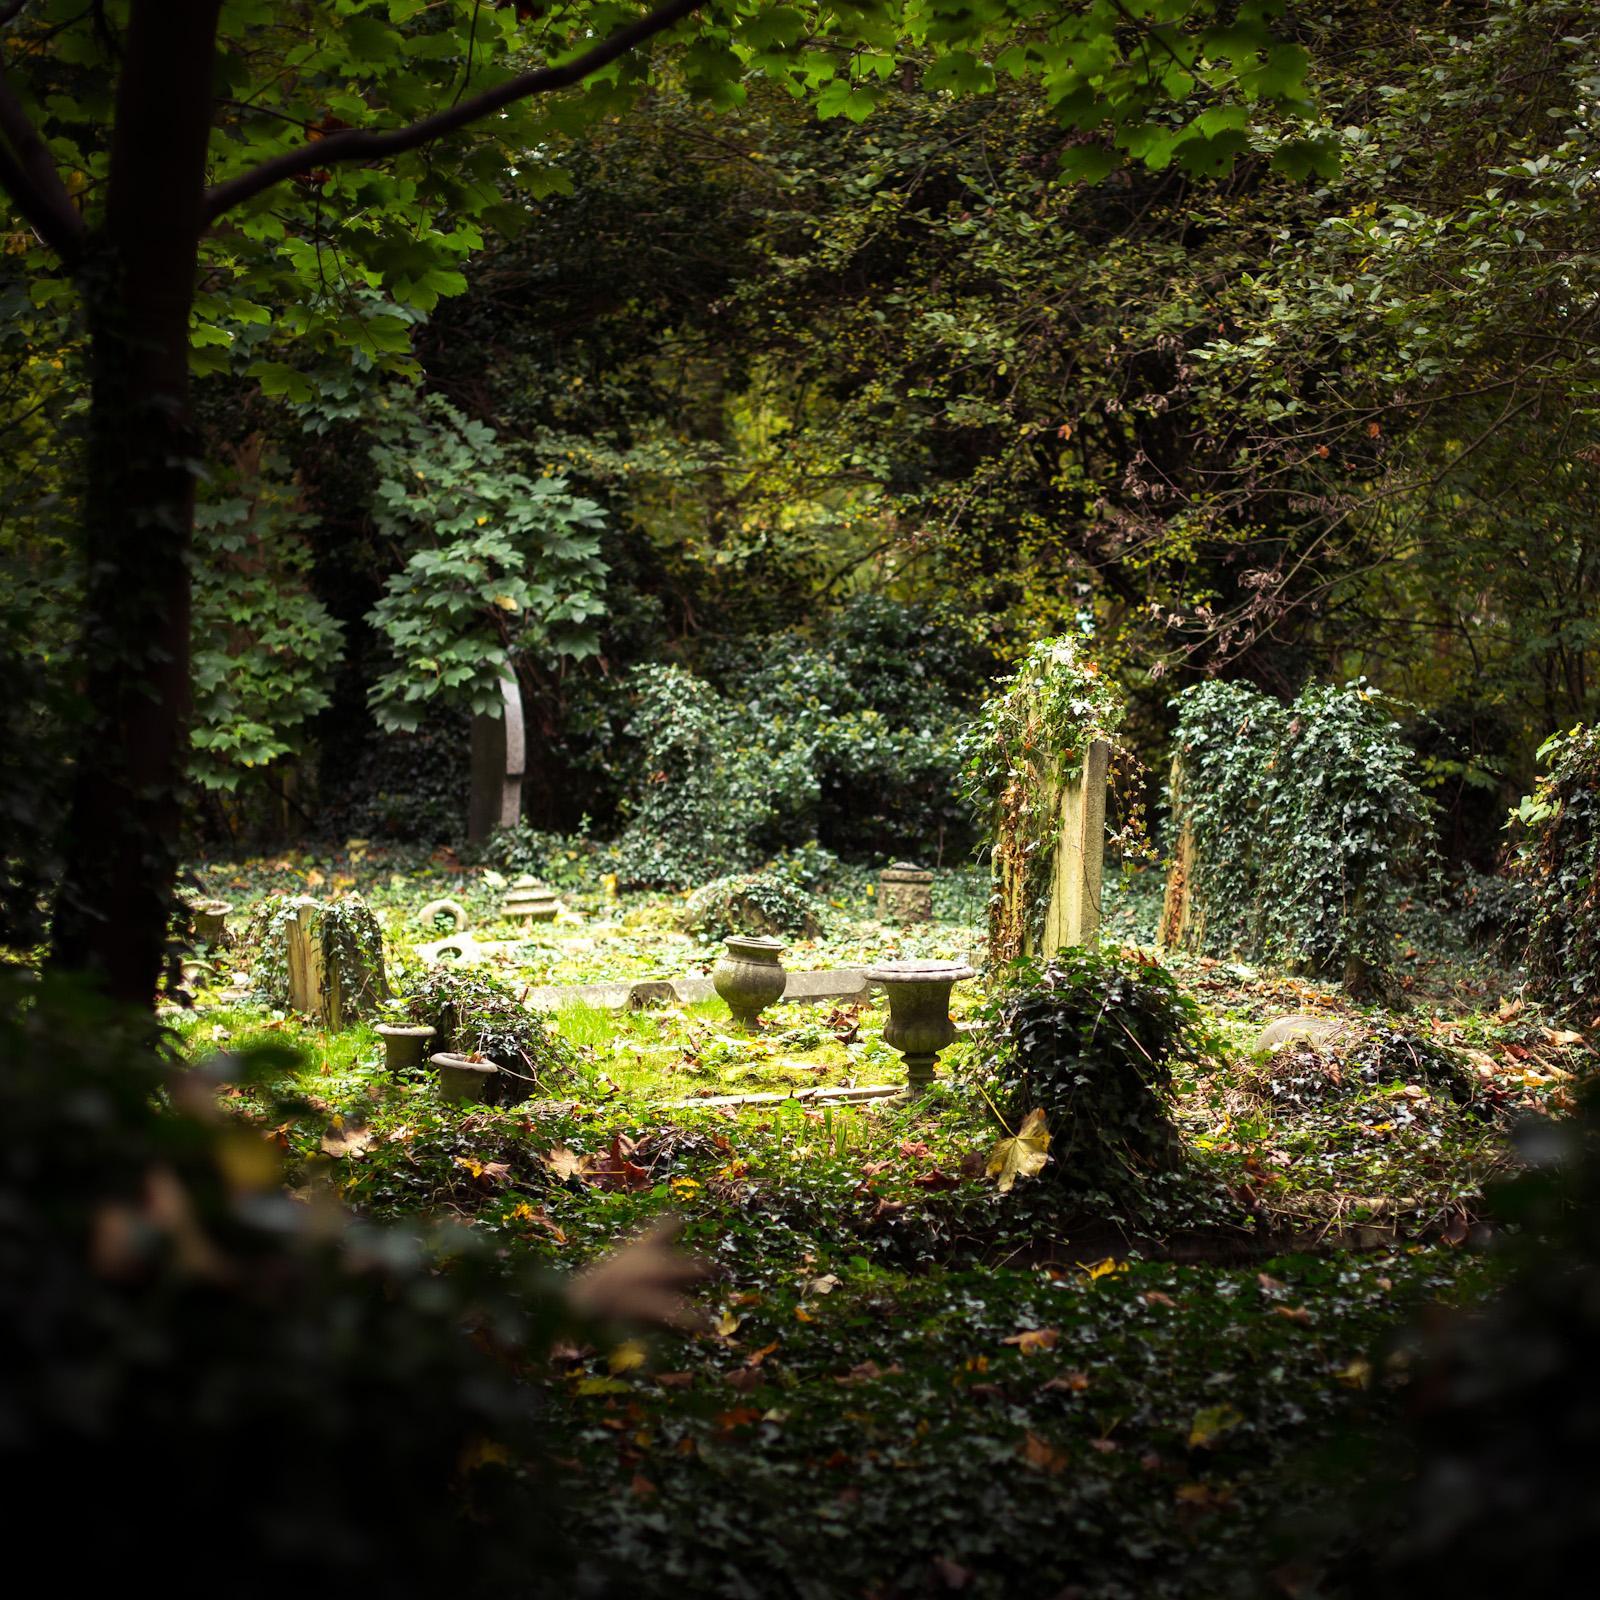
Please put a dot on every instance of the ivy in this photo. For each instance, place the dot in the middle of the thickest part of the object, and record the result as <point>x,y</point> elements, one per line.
<point>1030,739</point>
<point>1559,864</point>
<point>1299,826</point>
<point>263,644</point>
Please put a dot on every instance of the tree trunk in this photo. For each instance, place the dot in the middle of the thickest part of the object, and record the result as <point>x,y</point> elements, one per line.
<point>122,829</point>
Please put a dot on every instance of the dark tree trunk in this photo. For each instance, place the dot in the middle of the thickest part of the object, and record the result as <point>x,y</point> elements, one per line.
<point>137,278</point>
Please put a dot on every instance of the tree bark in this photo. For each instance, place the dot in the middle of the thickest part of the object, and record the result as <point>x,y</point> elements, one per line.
<point>137,278</point>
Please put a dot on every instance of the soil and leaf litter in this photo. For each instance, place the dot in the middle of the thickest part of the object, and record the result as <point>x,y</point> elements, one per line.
<point>1097,1311</point>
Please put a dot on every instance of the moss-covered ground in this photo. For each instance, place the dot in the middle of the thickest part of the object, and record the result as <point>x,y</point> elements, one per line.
<point>910,1383</point>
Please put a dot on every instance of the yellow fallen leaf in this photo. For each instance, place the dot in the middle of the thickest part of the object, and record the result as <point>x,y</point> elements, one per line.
<point>1103,1268</point>
<point>626,1357</point>
<point>1031,1339</point>
<point>1020,1157</point>
<point>1211,1423</point>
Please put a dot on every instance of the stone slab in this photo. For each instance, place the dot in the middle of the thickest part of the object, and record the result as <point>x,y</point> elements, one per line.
<point>1298,1029</point>
<point>845,1096</point>
<point>608,996</point>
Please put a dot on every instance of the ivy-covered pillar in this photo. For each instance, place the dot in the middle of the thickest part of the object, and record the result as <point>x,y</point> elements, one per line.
<point>1042,764</point>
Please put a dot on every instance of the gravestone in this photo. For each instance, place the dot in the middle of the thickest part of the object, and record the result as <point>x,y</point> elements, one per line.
<point>1065,909</point>
<point>499,760</point>
<point>335,976</point>
<point>905,893</point>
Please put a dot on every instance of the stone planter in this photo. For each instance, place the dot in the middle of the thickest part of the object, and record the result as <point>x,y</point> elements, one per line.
<point>905,893</point>
<point>531,901</point>
<point>464,1081</point>
<point>209,919</point>
<point>749,977</point>
<point>919,1012</point>
<point>403,1046</point>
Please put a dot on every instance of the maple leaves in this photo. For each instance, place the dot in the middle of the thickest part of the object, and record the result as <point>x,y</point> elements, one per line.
<point>1022,1155</point>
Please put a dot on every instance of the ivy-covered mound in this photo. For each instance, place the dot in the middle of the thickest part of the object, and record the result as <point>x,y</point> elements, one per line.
<point>772,903</point>
<point>1560,863</point>
<point>1028,742</point>
<point>1089,1039</point>
<point>475,1014</point>
<point>1299,828</point>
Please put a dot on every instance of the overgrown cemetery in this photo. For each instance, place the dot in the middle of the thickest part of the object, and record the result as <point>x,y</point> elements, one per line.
<point>803,801</point>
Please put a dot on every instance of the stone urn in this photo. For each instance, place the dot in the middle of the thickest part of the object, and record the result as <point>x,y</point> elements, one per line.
<point>463,1081</point>
<point>403,1046</point>
<point>209,919</point>
<point>905,893</point>
<point>531,901</point>
<point>749,977</point>
<point>919,1012</point>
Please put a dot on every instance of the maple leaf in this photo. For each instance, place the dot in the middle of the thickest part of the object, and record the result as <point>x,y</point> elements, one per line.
<point>561,1162</point>
<point>1022,1156</point>
<point>1031,1339</point>
<point>1041,1453</point>
<point>1211,1423</point>
<point>935,1179</point>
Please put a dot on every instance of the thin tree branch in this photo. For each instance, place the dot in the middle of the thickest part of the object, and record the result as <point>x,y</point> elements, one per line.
<point>363,144</point>
<point>29,176</point>
<point>11,11</point>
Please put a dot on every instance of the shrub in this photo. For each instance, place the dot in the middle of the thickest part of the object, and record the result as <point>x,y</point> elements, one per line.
<point>705,802</point>
<point>478,1015</point>
<point>1559,863</point>
<point>1090,1038</point>
<point>1300,824</point>
<point>236,1383</point>
<point>770,902</point>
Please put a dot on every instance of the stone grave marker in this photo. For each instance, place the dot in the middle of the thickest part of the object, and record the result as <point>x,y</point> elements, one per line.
<point>905,893</point>
<point>499,760</point>
<point>333,976</point>
<point>1067,912</point>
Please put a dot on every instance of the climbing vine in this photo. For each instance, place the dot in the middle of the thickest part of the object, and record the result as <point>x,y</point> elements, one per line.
<point>1029,741</point>
<point>1299,826</point>
<point>1559,861</point>
<point>352,947</point>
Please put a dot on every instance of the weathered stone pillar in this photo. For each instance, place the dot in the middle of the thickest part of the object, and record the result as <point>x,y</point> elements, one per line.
<point>499,759</point>
<point>905,893</point>
<point>1072,914</point>
<point>334,980</point>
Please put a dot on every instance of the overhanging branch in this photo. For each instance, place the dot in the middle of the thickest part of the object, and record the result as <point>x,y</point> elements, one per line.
<point>365,144</point>
<point>29,176</point>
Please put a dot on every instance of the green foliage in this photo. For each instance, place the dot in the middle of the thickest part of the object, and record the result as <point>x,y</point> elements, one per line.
<point>703,802</point>
<point>501,567</point>
<point>1559,865</point>
<point>264,645</point>
<point>1089,1037</point>
<point>351,942</point>
<point>1306,823</point>
<point>477,1014</point>
<point>1030,739</point>
<point>178,1330</point>
<point>769,902</point>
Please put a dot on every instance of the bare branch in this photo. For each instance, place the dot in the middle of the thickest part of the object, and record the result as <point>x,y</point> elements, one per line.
<point>363,144</point>
<point>11,11</point>
<point>29,176</point>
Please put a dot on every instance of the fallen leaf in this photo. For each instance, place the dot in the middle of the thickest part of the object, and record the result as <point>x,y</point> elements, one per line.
<point>1292,1313</point>
<point>951,1573</point>
<point>1066,1383</point>
<point>935,1179</point>
<point>1022,1156</point>
<point>756,1357</point>
<point>826,1284</point>
<point>1041,1453</point>
<point>1031,1339</point>
<point>345,1139</point>
<point>1211,1423</point>
<point>561,1162</point>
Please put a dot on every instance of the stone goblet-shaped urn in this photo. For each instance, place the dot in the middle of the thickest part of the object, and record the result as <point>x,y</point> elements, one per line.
<point>749,977</point>
<point>919,1012</point>
<point>404,1046</point>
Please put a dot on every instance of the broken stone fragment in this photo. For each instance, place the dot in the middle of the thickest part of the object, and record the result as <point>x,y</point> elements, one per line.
<point>1299,1029</point>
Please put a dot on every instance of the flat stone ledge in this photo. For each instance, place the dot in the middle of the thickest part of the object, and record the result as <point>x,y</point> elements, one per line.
<point>844,1096</point>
